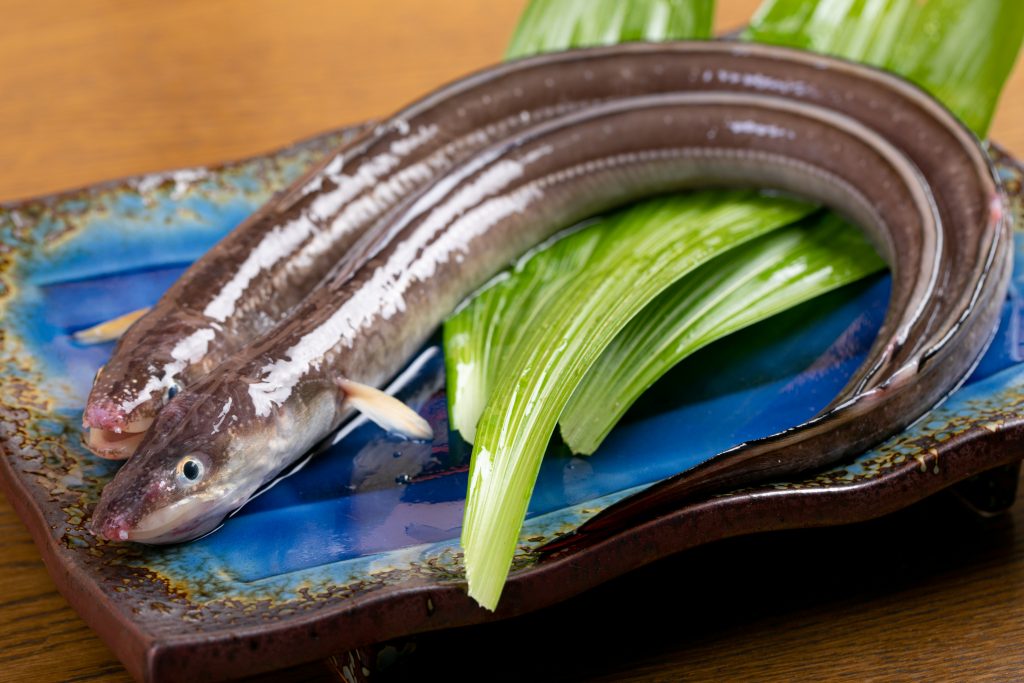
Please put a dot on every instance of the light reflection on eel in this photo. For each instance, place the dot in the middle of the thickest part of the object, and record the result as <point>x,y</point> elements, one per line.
<point>861,141</point>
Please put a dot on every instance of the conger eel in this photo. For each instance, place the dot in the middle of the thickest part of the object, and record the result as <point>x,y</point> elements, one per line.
<point>859,140</point>
<point>252,278</point>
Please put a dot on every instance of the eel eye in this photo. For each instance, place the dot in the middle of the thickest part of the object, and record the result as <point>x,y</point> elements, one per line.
<point>190,470</point>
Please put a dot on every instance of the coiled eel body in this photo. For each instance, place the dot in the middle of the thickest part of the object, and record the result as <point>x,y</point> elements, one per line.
<point>254,276</point>
<point>861,141</point>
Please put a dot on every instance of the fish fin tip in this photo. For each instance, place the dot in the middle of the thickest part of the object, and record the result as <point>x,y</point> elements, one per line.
<point>110,330</point>
<point>386,411</point>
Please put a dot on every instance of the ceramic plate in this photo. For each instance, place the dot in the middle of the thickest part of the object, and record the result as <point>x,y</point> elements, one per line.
<point>360,546</point>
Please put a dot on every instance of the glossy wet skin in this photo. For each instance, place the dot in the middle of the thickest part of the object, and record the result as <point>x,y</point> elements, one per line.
<point>250,280</point>
<point>364,323</point>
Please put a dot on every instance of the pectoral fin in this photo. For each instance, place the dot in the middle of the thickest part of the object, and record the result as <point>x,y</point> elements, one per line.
<point>386,411</point>
<point>109,330</point>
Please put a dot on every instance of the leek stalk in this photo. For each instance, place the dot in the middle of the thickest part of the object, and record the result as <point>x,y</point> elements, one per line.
<point>518,352</point>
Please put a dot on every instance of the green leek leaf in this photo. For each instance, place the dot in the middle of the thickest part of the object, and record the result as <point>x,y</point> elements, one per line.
<point>550,25</point>
<point>481,337</point>
<point>739,288</point>
<point>499,502</point>
<point>517,353</point>
<point>958,50</point>
<point>641,252</point>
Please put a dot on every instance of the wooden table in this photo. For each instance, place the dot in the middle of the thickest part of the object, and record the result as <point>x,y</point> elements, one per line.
<point>90,91</point>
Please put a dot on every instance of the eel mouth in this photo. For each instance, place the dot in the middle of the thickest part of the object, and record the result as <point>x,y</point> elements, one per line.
<point>183,520</point>
<point>117,444</point>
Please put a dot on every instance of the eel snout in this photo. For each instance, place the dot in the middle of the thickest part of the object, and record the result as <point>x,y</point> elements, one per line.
<point>111,433</point>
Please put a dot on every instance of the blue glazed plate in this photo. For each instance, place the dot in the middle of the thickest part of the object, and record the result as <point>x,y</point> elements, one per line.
<point>362,543</point>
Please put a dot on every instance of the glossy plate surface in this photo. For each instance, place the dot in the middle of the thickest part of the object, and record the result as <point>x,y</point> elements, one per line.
<point>361,543</point>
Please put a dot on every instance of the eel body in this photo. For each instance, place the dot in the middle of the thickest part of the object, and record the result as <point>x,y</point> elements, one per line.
<point>861,141</point>
<point>252,278</point>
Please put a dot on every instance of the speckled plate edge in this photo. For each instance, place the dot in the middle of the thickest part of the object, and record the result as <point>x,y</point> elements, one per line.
<point>978,432</point>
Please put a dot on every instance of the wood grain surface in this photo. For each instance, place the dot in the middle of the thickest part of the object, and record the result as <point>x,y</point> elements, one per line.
<point>108,88</point>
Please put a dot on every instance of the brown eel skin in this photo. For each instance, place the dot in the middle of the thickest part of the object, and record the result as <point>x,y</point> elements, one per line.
<point>861,141</point>
<point>253,277</point>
